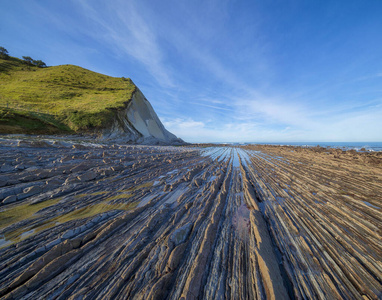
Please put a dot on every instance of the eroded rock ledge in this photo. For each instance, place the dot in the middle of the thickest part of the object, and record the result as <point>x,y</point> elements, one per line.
<point>147,222</point>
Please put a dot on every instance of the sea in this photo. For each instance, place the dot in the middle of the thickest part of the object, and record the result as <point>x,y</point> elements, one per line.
<point>369,146</point>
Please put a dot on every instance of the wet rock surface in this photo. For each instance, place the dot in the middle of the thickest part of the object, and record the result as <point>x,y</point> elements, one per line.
<point>92,221</point>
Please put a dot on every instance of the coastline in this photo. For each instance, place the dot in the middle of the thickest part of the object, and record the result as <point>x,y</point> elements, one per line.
<point>358,146</point>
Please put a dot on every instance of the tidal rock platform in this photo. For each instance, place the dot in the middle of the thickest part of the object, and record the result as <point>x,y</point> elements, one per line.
<point>107,221</point>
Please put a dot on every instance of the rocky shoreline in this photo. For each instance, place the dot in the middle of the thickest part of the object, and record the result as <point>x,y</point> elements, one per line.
<point>82,220</point>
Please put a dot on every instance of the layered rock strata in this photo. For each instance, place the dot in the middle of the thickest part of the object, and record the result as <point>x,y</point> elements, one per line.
<point>137,122</point>
<point>149,222</point>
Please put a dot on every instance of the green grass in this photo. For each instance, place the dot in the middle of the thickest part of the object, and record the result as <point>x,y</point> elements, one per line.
<point>91,194</point>
<point>20,121</point>
<point>22,212</point>
<point>70,95</point>
<point>93,210</point>
<point>27,211</point>
<point>119,196</point>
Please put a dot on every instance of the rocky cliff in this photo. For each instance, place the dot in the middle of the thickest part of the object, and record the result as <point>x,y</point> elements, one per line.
<point>138,123</point>
<point>69,99</point>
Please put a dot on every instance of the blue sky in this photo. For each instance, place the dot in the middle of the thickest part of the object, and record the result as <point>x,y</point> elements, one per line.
<point>223,71</point>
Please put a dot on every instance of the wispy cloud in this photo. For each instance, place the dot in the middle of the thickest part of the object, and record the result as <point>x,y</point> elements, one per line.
<point>183,123</point>
<point>377,75</point>
<point>250,112</point>
<point>121,26</point>
<point>197,131</point>
<point>214,75</point>
<point>212,106</point>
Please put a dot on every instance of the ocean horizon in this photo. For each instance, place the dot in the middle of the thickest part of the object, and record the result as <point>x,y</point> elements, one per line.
<point>370,146</point>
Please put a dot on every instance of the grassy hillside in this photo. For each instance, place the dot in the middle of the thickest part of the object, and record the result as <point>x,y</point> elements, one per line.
<point>17,121</point>
<point>65,97</point>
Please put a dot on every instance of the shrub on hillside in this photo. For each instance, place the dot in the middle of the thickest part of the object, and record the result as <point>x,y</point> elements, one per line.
<point>30,61</point>
<point>39,63</point>
<point>4,53</point>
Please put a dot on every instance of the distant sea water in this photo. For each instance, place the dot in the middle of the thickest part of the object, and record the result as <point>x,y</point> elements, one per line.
<point>371,146</point>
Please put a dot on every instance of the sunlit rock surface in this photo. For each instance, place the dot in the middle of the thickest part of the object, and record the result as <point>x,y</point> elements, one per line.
<point>138,123</point>
<point>90,221</point>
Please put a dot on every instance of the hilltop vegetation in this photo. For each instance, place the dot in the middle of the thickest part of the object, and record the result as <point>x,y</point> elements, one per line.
<point>64,98</point>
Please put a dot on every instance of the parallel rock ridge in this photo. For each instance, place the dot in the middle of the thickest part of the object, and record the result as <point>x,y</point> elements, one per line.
<point>91,221</point>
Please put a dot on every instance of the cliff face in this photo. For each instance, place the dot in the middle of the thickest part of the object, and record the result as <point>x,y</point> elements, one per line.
<point>138,123</point>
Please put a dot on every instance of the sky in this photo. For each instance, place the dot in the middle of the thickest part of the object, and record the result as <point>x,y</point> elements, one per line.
<point>221,70</point>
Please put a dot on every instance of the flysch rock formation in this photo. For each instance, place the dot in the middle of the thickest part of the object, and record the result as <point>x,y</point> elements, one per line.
<point>83,221</point>
<point>139,123</point>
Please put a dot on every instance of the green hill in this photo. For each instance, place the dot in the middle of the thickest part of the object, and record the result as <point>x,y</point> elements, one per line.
<point>56,99</point>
